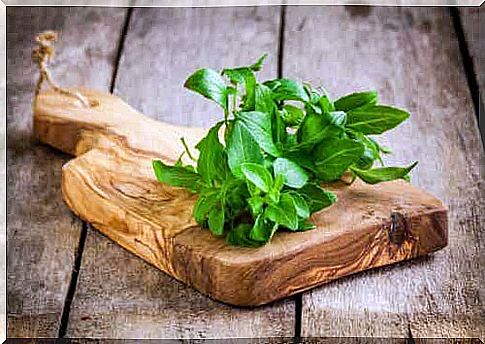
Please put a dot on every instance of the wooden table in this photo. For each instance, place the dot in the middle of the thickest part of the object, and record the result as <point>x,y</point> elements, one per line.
<point>66,279</point>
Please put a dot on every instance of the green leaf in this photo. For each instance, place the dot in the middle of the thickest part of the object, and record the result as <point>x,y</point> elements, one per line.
<point>302,209</point>
<point>294,175</point>
<point>303,159</point>
<point>356,100</point>
<point>258,64</point>
<point>305,225</point>
<point>209,84</point>
<point>279,181</point>
<point>216,221</point>
<point>334,156</point>
<point>259,126</point>
<point>264,99</point>
<point>338,118</point>
<point>316,128</point>
<point>371,151</point>
<point>292,115</point>
<point>212,162</point>
<point>286,89</point>
<point>375,119</point>
<point>239,236</point>
<point>256,203</point>
<point>244,75</point>
<point>242,148</point>
<point>204,204</point>
<point>278,128</point>
<point>236,193</point>
<point>261,231</point>
<point>316,197</point>
<point>258,175</point>
<point>326,104</point>
<point>383,174</point>
<point>178,176</point>
<point>283,212</point>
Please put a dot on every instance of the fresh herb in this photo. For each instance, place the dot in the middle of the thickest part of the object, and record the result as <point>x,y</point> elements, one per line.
<point>282,140</point>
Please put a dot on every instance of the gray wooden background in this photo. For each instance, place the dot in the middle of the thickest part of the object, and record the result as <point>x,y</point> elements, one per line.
<point>66,279</point>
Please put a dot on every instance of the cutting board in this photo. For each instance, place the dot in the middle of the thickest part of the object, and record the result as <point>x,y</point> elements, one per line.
<point>110,184</point>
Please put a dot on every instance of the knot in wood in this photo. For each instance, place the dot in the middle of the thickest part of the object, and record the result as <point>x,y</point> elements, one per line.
<point>399,229</point>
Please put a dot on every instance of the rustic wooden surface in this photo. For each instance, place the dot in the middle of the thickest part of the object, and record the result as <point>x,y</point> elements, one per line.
<point>167,308</point>
<point>402,53</point>
<point>111,184</point>
<point>43,235</point>
<point>410,55</point>
<point>473,28</point>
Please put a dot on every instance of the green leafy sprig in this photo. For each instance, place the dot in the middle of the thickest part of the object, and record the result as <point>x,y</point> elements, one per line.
<point>282,141</point>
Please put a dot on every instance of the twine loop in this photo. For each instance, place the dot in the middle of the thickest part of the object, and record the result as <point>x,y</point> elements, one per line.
<point>41,55</point>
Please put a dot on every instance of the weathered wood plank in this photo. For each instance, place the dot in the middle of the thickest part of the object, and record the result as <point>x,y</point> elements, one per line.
<point>473,28</point>
<point>411,57</point>
<point>119,295</point>
<point>42,233</point>
<point>164,46</point>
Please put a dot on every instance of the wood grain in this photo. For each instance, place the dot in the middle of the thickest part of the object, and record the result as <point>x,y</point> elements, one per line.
<point>113,186</point>
<point>411,57</point>
<point>153,67</point>
<point>473,29</point>
<point>42,233</point>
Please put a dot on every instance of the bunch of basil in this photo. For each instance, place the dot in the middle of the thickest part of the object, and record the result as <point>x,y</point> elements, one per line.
<point>282,140</point>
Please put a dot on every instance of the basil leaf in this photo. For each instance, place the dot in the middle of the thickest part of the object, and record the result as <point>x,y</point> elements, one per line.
<point>292,115</point>
<point>264,99</point>
<point>371,151</point>
<point>236,193</point>
<point>261,231</point>
<point>294,175</point>
<point>356,100</point>
<point>256,204</point>
<point>212,162</point>
<point>383,174</point>
<point>375,119</point>
<point>326,104</point>
<point>338,118</point>
<point>241,148</point>
<point>279,181</point>
<point>305,225</point>
<point>244,75</point>
<point>333,157</point>
<point>316,128</point>
<point>204,204</point>
<point>209,84</point>
<point>286,89</point>
<point>258,175</point>
<point>302,159</point>
<point>216,221</point>
<point>258,64</point>
<point>239,236</point>
<point>283,212</point>
<point>259,126</point>
<point>178,176</point>
<point>302,208</point>
<point>316,197</point>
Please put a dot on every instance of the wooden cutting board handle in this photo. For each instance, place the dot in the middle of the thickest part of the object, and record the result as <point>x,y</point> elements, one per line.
<point>111,184</point>
<point>66,124</point>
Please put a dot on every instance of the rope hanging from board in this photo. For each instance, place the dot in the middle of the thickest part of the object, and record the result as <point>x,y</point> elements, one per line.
<point>41,55</point>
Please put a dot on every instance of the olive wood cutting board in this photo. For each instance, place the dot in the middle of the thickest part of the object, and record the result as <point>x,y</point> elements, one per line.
<point>111,185</point>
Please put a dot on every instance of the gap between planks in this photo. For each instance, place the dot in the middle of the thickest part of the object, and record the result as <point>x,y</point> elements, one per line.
<point>467,61</point>
<point>298,298</point>
<point>71,291</point>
